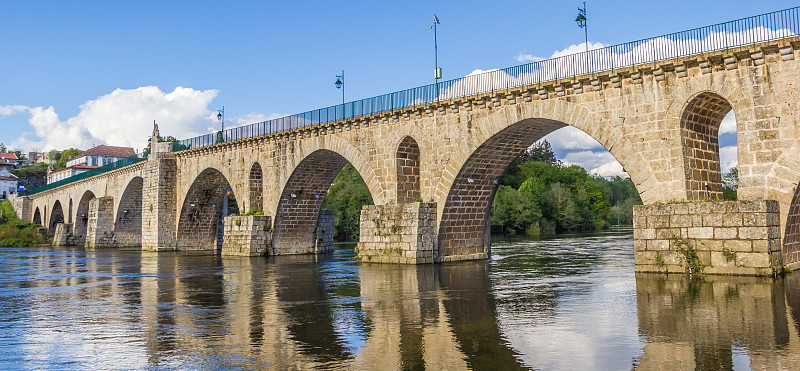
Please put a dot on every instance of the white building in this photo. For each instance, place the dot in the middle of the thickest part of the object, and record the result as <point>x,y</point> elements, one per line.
<point>10,158</point>
<point>8,181</point>
<point>88,160</point>
<point>54,175</point>
<point>101,155</point>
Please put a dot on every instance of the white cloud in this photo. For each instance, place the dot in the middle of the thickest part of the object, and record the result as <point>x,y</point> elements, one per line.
<point>727,158</point>
<point>579,48</point>
<point>570,139</point>
<point>528,58</point>
<point>123,118</point>
<point>728,124</point>
<point>11,110</point>
<point>609,169</point>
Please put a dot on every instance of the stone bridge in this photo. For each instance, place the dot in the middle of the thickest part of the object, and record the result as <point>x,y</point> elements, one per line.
<point>432,170</point>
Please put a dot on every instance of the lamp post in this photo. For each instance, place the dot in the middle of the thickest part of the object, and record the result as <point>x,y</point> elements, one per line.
<point>581,20</point>
<point>437,72</point>
<point>340,85</point>
<point>221,118</point>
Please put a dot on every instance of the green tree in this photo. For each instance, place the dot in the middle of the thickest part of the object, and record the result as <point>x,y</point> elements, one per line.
<point>65,156</point>
<point>515,212</point>
<point>730,184</point>
<point>345,198</point>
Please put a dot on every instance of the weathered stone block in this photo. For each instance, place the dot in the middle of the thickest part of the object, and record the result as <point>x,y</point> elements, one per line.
<point>753,259</point>
<point>247,235</point>
<point>722,233</point>
<point>701,232</point>
<point>63,235</point>
<point>753,233</point>
<point>402,233</point>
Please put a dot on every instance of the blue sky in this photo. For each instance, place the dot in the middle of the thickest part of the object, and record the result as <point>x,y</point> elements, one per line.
<point>75,74</point>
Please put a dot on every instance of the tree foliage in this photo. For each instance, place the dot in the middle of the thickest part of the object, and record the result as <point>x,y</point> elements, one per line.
<point>538,194</point>
<point>730,184</point>
<point>61,157</point>
<point>345,198</point>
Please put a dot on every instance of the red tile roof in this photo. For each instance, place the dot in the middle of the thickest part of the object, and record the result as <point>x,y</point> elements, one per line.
<point>108,151</point>
<point>8,156</point>
<point>82,166</point>
<point>5,163</point>
<point>12,177</point>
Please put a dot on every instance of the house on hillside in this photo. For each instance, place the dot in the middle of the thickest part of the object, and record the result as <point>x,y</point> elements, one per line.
<point>101,155</point>
<point>10,158</point>
<point>39,157</point>
<point>8,181</point>
<point>88,160</point>
<point>54,175</point>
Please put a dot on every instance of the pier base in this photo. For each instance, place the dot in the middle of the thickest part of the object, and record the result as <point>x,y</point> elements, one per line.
<point>404,233</point>
<point>725,237</point>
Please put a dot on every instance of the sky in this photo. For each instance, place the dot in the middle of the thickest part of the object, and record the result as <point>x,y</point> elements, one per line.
<point>79,74</point>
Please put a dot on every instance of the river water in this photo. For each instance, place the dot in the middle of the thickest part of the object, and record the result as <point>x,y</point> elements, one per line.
<point>564,304</point>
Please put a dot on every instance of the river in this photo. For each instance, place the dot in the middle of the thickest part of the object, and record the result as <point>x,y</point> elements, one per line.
<point>571,302</point>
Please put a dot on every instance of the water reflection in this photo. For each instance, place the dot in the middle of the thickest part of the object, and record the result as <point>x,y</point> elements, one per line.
<point>558,304</point>
<point>719,322</point>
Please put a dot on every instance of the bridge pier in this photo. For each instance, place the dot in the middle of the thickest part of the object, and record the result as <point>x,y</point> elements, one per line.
<point>100,224</point>
<point>726,237</point>
<point>63,235</point>
<point>404,233</point>
<point>247,235</point>
<point>159,202</point>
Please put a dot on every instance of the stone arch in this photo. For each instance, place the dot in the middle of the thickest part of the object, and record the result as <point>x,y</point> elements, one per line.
<point>82,218</point>
<point>301,200</point>
<point>339,147</point>
<point>699,129</point>
<point>783,184</point>
<point>493,141</point>
<point>255,184</point>
<point>464,227</point>
<point>57,216</point>
<point>37,216</point>
<point>69,215</point>
<point>407,160</point>
<point>128,220</point>
<point>201,211</point>
<point>791,235</point>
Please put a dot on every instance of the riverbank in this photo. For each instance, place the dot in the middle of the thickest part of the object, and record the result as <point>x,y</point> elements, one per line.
<point>16,232</point>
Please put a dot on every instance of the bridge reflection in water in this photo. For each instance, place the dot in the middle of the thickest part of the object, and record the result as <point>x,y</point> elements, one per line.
<point>119,308</point>
<point>301,312</point>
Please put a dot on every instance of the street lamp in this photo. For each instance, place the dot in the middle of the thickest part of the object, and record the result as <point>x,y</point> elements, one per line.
<point>581,21</point>
<point>221,118</point>
<point>340,85</point>
<point>437,72</point>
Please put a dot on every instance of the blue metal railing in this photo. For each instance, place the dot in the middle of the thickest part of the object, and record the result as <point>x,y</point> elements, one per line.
<point>741,32</point>
<point>722,36</point>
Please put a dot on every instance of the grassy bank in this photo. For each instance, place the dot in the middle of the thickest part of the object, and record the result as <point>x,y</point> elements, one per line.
<point>17,233</point>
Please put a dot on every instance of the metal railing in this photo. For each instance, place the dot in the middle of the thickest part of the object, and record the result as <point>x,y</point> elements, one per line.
<point>722,36</point>
<point>741,32</point>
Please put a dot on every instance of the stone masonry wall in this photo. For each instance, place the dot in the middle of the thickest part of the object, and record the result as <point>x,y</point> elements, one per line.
<point>63,235</point>
<point>159,203</point>
<point>324,232</point>
<point>22,205</point>
<point>404,233</point>
<point>731,237</point>
<point>247,235</point>
<point>100,224</point>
